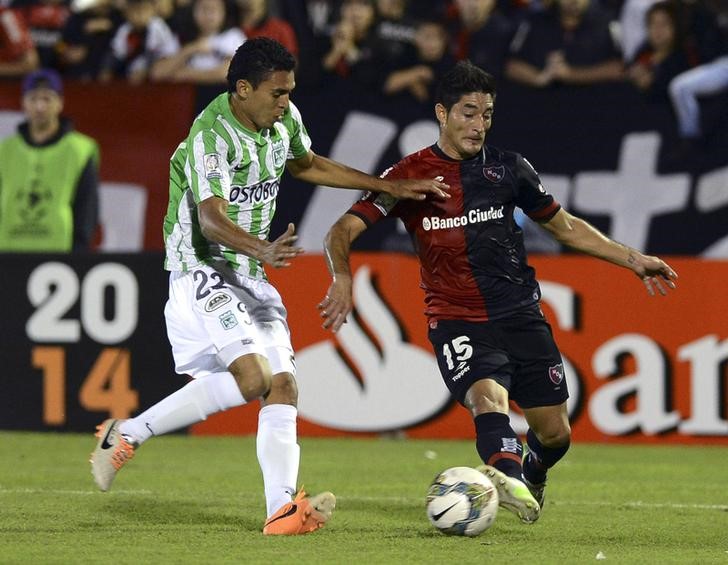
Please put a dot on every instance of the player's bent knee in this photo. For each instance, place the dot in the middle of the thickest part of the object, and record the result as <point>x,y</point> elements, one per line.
<point>283,390</point>
<point>252,374</point>
<point>557,437</point>
<point>486,396</point>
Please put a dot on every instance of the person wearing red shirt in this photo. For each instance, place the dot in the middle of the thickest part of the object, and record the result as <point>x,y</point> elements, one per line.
<point>18,55</point>
<point>256,21</point>
<point>490,337</point>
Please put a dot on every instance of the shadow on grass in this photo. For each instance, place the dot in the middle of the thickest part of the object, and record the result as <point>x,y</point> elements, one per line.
<point>163,513</point>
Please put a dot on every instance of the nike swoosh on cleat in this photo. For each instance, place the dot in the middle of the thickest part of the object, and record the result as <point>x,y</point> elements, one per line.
<point>105,443</point>
<point>439,515</point>
<point>292,510</point>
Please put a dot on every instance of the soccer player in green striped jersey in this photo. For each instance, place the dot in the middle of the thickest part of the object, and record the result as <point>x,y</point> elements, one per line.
<point>225,322</point>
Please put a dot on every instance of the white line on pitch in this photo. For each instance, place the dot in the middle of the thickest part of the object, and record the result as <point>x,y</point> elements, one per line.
<point>393,499</point>
<point>633,504</point>
<point>63,491</point>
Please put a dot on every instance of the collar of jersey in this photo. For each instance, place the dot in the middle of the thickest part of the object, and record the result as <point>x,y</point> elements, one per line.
<point>481,156</point>
<point>260,137</point>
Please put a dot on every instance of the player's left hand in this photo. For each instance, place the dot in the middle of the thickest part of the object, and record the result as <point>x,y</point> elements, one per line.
<point>655,274</point>
<point>419,189</point>
<point>337,304</point>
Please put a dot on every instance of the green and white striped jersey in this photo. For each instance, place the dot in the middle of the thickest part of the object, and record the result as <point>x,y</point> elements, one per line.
<point>222,158</point>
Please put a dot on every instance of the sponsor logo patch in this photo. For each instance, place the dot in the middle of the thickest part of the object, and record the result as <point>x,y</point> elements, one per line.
<point>556,373</point>
<point>216,301</point>
<point>228,320</point>
<point>212,166</point>
<point>461,370</point>
<point>472,217</point>
<point>494,174</point>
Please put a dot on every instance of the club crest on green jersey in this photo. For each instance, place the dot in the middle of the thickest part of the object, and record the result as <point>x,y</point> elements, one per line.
<point>279,153</point>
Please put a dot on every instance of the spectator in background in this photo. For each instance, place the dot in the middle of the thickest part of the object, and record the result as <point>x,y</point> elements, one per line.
<point>685,89</point>
<point>206,58</point>
<point>662,56</point>
<point>417,77</point>
<point>632,30</point>
<point>481,34</point>
<point>48,176</point>
<point>256,21</point>
<point>351,41</point>
<point>86,39</point>
<point>393,34</point>
<point>178,18</point>
<point>141,41</point>
<point>17,50</point>
<point>571,44</point>
<point>46,19</point>
<point>706,80</point>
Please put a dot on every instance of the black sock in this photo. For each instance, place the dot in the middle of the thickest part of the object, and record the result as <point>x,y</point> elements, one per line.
<point>497,443</point>
<point>540,458</point>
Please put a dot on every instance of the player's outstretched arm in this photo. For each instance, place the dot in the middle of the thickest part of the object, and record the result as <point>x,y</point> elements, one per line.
<point>316,169</point>
<point>337,304</point>
<point>217,227</point>
<point>582,236</point>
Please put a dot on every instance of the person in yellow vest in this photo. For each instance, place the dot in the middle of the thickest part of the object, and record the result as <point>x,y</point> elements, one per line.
<point>48,176</point>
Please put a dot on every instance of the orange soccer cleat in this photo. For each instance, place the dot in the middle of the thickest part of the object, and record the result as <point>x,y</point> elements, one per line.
<point>304,514</point>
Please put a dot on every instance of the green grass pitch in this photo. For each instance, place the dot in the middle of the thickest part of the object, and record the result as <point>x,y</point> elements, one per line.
<point>199,500</point>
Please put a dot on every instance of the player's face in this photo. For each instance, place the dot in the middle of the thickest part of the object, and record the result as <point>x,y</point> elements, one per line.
<point>464,127</point>
<point>263,106</point>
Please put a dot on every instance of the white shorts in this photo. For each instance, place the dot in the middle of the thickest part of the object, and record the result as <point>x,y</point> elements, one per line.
<point>215,317</point>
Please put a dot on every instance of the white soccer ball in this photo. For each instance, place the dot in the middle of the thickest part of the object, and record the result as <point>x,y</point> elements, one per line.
<point>462,501</point>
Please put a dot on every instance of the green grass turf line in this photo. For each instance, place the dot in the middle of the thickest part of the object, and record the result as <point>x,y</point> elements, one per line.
<point>199,500</point>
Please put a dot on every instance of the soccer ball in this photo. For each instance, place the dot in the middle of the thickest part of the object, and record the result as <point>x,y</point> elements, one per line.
<point>462,502</point>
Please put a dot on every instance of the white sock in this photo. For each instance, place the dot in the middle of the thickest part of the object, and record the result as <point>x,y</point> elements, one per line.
<point>192,403</point>
<point>278,454</point>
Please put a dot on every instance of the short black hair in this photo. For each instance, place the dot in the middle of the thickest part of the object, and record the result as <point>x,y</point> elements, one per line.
<point>462,79</point>
<point>256,59</point>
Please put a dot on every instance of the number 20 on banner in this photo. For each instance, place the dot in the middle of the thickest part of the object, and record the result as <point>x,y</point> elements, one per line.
<point>53,289</point>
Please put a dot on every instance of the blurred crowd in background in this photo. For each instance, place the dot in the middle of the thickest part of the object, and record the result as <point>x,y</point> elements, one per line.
<point>673,52</point>
<point>396,46</point>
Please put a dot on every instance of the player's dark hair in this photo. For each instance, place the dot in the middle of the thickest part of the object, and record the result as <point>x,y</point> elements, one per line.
<point>463,78</point>
<point>256,59</point>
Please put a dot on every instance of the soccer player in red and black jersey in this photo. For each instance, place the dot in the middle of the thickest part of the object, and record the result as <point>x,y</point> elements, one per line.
<point>489,335</point>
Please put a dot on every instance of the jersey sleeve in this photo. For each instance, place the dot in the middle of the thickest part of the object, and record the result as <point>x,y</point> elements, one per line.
<point>208,170</point>
<point>300,141</point>
<point>532,197</point>
<point>373,206</point>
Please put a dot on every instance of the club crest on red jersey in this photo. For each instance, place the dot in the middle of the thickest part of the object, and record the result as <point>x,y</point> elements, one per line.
<point>556,373</point>
<point>495,173</point>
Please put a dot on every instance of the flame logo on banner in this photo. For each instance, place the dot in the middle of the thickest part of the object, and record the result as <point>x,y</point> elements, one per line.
<point>387,384</point>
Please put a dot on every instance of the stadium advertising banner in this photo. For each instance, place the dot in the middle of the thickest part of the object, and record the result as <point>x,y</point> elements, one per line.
<point>83,338</point>
<point>639,368</point>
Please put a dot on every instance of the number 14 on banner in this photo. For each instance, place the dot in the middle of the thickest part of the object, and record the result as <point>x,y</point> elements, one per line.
<point>106,388</point>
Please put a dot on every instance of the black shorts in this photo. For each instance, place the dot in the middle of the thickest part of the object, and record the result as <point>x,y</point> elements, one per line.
<point>518,352</point>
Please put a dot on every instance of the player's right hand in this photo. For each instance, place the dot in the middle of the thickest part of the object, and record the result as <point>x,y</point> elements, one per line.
<point>279,252</point>
<point>337,304</point>
<point>419,189</point>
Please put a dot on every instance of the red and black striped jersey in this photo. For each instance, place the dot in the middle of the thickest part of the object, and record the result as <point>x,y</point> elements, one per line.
<point>473,261</point>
